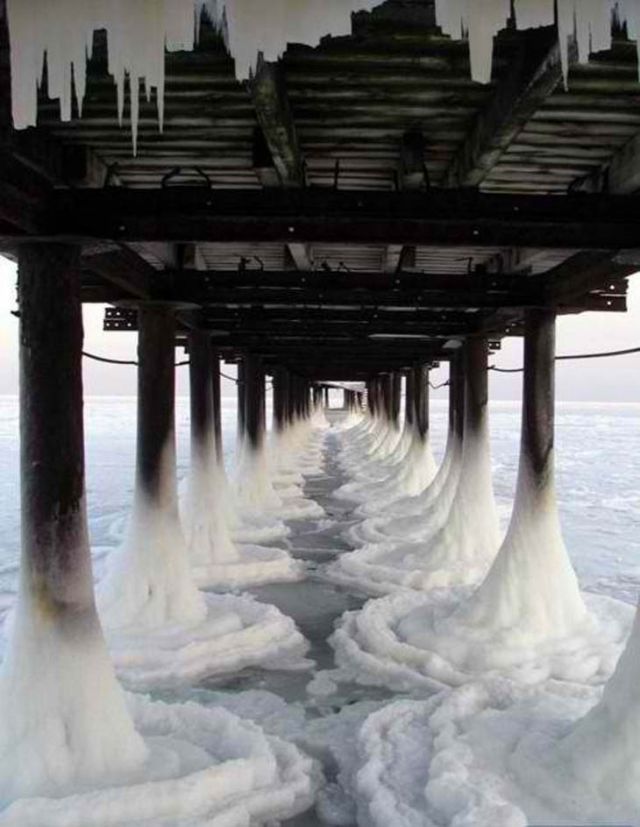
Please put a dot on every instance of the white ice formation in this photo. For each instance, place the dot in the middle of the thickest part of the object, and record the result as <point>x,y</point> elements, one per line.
<point>407,641</point>
<point>398,464</point>
<point>139,32</point>
<point>161,630</point>
<point>200,767</point>
<point>209,519</point>
<point>451,536</point>
<point>500,754</point>
<point>238,632</point>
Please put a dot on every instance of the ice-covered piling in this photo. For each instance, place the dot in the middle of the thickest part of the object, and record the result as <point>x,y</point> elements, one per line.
<point>148,581</point>
<point>205,519</point>
<point>255,489</point>
<point>63,717</point>
<point>532,586</point>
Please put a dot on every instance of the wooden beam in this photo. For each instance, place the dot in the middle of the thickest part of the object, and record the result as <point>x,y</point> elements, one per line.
<point>273,112</point>
<point>126,271</point>
<point>301,257</point>
<point>519,94</point>
<point>435,218</point>
<point>619,176</point>
<point>329,295</point>
<point>584,273</point>
<point>412,174</point>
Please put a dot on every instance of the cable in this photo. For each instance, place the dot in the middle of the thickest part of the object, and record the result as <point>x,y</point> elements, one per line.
<point>135,364</point>
<point>599,355</point>
<point>437,387</point>
<point>567,358</point>
<point>105,360</point>
<point>575,356</point>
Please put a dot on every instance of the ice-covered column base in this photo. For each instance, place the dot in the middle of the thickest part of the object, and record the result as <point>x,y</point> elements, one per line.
<point>63,719</point>
<point>206,524</point>
<point>514,755</point>
<point>148,581</point>
<point>410,517</point>
<point>528,619</point>
<point>455,538</point>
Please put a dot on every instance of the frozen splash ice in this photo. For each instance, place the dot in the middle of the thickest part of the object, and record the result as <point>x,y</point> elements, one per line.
<point>138,33</point>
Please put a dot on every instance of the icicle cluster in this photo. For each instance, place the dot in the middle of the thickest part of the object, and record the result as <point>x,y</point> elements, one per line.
<point>586,21</point>
<point>139,31</point>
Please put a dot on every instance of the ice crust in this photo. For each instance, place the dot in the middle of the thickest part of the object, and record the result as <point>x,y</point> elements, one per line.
<point>138,33</point>
<point>497,754</point>
<point>448,535</point>
<point>203,767</point>
<point>237,632</point>
<point>407,641</point>
<point>210,517</point>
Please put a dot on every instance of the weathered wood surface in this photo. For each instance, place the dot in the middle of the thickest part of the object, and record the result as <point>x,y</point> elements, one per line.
<point>55,559</point>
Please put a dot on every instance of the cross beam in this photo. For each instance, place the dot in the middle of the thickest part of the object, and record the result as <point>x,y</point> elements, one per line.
<point>435,217</point>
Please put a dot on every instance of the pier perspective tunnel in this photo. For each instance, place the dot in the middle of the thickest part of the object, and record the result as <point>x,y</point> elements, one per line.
<point>323,202</point>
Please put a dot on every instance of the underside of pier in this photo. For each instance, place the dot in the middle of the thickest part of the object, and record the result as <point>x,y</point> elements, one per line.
<point>354,209</point>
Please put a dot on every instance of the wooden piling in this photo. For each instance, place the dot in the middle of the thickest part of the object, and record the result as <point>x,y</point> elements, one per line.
<point>156,452</point>
<point>538,412</point>
<point>56,562</point>
<point>421,393</point>
<point>254,399</point>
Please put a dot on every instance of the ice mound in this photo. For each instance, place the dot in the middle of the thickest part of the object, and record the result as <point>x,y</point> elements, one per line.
<point>410,641</point>
<point>408,471</point>
<point>237,632</point>
<point>261,494</point>
<point>252,566</point>
<point>500,755</point>
<point>217,561</point>
<point>203,767</point>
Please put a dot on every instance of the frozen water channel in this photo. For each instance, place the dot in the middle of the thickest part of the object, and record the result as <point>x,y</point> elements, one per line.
<point>314,605</point>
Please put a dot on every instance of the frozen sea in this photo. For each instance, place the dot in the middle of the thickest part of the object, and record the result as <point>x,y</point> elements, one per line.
<point>597,448</point>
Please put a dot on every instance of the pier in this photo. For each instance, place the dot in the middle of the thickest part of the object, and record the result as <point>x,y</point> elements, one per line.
<point>351,217</point>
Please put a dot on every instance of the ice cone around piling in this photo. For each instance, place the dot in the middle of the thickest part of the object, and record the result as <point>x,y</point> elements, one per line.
<point>528,619</point>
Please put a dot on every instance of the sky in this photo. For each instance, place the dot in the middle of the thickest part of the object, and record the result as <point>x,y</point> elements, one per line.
<point>598,380</point>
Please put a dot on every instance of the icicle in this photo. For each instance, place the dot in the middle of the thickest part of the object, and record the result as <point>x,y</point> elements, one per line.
<point>138,33</point>
<point>485,19</point>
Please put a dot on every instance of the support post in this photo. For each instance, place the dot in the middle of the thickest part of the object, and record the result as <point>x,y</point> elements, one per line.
<point>410,398</point>
<point>156,455</point>
<point>201,396</point>
<point>538,412</point>
<point>396,396</point>
<point>56,653</point>
<point>476,385</point>
<point>216,396</point>
<point>56,565</point>
<point>254,417</point>
<point>421,384</point>
<point>458,393</point>
<point>241,390</point>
